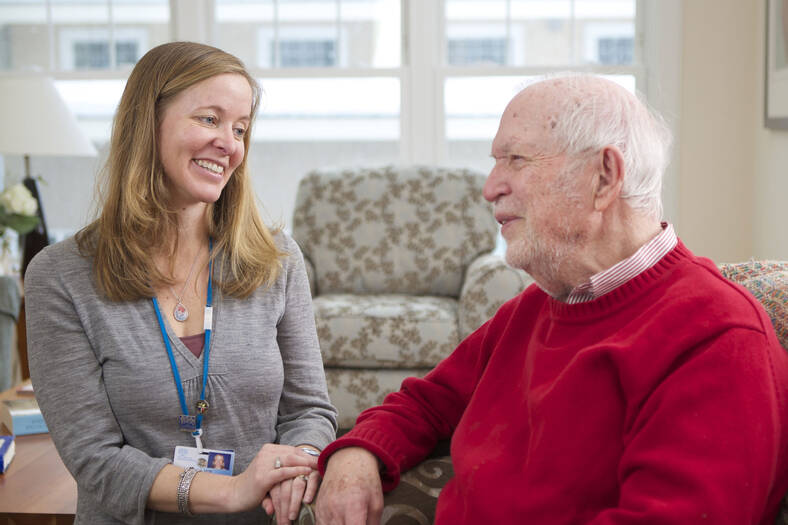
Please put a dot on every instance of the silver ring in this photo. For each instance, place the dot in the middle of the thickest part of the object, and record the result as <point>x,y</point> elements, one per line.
<point>278,462</point>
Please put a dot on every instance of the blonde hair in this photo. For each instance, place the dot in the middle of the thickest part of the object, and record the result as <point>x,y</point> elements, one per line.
<point>135,219</point>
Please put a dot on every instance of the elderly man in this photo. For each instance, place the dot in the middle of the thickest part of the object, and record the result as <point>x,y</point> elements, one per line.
<point>632,384</point>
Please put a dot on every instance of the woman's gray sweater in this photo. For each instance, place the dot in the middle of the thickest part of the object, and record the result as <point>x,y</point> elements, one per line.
<point>106,389</point>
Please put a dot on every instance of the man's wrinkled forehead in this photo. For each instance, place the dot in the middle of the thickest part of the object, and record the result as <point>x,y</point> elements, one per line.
<point>542,101</point>
<point>529,119</point>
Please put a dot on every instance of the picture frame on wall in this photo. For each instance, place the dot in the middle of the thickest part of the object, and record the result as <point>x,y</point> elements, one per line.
<point>776,82</point>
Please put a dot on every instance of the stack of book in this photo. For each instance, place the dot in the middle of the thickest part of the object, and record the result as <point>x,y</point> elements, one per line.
<point>7,450</point>
<point>22,416</point>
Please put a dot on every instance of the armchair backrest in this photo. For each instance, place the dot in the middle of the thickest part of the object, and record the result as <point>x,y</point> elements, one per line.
<point>768,282</point>
<point>411,230</point>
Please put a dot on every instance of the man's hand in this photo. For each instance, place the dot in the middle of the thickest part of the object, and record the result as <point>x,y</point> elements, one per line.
<point>351,493</point>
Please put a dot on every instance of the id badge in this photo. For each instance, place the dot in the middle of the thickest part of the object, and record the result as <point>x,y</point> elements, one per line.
<point>218,461</point>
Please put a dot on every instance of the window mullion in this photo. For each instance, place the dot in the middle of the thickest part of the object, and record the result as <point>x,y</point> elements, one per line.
<point>276,62</point>
<point>338,37</point>
<point>51,34</point>
<point>422,90</point>
<point>661,57</point>
<point>405,112</point>
<point>113,59</point>
<point>439,80</point>
<point>509,44</point>
<point>572,29</point>
<point>192,20</point>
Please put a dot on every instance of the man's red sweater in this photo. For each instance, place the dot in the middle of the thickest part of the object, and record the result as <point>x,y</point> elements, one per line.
<point>663,401</point>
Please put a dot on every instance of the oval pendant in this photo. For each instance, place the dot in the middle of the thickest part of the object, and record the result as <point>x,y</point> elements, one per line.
<point>180,313</point>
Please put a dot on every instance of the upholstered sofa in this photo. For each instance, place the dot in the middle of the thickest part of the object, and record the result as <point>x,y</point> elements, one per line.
<point>401,271</point>
<point>413,501</point>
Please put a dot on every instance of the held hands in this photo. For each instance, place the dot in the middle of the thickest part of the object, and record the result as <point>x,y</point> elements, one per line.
<point>351,492</point>
<point>261,476</point>
<point>285,498</point>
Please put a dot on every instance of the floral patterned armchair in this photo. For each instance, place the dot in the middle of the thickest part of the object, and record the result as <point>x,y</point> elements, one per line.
<point>400,267</point>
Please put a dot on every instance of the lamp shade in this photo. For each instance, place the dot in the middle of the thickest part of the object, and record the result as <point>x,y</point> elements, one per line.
<point>36,120</point>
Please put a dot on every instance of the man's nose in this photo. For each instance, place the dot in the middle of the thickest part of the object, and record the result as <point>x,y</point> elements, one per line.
<point>496,184</point>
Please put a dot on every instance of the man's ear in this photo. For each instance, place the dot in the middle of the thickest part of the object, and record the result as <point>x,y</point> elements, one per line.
<point>610,178</point>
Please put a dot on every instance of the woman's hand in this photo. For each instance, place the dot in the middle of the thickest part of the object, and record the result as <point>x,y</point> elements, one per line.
<point>286,497</point>
<point>262,474</point>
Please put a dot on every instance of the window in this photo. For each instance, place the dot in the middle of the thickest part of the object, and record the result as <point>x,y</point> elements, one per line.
<point>609,43</point>
<point>467,51</point>
<point>89,47</point>
<point>83,48</point>
<point>91,55</point>
<point>346,82</point>
<point>306,53</point>
<point>615,50</point>
<point>332,77</point>
<point>299,45</point>
<point>127,53</point>
<point>330,70</point>
<point>523,39</point>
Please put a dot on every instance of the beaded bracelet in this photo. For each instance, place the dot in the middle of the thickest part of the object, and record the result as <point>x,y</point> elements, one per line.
<point>184,486</point>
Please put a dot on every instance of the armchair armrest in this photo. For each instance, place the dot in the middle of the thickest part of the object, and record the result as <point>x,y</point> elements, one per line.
<point>489,282</point>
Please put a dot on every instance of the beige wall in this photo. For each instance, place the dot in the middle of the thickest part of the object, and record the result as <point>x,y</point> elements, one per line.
<point>733,180</point>
<point>770,214</point>
<point>718,112</point>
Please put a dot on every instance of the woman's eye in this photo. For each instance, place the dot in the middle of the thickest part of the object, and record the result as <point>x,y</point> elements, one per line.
<point>207,120</point>
<point>239,132</point>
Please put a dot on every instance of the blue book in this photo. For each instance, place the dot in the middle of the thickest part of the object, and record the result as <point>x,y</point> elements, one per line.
<point>22,416</point>
<point>7,451</point>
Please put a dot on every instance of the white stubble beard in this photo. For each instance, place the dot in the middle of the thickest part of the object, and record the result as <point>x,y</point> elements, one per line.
<point>547,257</point>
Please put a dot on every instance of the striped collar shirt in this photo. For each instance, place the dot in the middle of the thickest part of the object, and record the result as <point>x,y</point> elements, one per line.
<point>608,280</point>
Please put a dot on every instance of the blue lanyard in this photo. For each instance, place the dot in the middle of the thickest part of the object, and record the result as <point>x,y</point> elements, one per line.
<point>207,323</point>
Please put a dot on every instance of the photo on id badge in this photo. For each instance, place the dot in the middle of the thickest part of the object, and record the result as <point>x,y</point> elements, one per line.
<point>209,460</point>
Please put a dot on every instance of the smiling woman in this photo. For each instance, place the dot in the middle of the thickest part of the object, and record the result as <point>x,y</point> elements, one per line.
<point>201,138</point>
<point>179,281</point>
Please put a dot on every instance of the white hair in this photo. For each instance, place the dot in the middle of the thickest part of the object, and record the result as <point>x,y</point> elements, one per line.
<point>594,112</point>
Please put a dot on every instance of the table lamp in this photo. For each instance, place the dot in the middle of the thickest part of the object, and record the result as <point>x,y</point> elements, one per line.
<point>36,120</point>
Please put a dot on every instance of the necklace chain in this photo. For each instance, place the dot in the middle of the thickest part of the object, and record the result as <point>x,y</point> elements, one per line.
<point>180,312</point>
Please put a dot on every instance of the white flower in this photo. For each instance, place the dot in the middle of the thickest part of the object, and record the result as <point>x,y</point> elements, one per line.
<point>18,199</point>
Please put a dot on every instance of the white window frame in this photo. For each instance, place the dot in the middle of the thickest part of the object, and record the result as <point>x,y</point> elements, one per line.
<point>463,31</point>
<point>69,36</point>
<point>595,31</point>
<point>422,73</point>
<point>432,148</point>
<point>423,141</point>
<point>267,36</point>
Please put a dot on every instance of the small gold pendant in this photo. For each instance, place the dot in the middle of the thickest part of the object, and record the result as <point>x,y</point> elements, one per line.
<point>202,406</point>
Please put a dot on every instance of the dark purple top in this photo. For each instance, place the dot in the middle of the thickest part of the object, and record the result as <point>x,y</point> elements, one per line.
<point>194,343</point>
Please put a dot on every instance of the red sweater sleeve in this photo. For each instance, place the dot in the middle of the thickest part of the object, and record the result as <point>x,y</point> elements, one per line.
<point>406,427</point>
<point>702,440</point>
